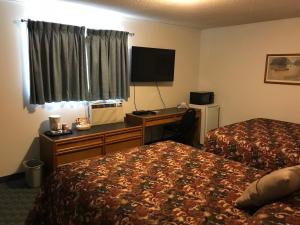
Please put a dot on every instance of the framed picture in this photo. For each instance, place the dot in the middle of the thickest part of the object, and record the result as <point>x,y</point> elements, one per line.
<point>282,69</point>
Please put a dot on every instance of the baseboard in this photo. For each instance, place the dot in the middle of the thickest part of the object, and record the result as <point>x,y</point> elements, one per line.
<point>12,177</point>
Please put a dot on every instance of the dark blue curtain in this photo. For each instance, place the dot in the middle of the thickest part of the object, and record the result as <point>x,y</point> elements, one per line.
<point>108,64</point>
<point>57,62</point>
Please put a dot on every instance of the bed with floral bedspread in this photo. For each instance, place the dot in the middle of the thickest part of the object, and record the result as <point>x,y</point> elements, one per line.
<point>163,183</point>
<point>261,143</point>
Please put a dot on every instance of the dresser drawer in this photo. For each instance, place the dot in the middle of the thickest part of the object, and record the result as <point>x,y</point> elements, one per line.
<point>79,143</point>
<point>67,157</point>
<point>122,145</point>
<point>126,134</point>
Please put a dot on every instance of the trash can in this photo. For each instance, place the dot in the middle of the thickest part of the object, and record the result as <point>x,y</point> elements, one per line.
<point>33,172</point>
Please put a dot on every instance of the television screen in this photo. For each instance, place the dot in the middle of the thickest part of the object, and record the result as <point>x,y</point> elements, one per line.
<point>152,64</point>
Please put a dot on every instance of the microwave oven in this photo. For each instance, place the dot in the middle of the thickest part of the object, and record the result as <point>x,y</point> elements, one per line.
<point>201,98</point>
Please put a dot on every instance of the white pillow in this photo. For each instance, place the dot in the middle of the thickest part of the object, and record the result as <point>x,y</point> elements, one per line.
<point>271,187</point>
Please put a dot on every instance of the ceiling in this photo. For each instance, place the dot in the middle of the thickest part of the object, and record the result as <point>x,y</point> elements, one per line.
<point>204,13</point>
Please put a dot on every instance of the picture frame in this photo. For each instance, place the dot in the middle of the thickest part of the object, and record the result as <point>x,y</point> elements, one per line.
<point>282,69</point>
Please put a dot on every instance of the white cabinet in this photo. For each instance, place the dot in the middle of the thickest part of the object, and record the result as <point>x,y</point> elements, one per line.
<point>209,118</point>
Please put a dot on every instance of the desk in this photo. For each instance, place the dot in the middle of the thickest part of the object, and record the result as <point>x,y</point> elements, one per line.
<point>163,116</point>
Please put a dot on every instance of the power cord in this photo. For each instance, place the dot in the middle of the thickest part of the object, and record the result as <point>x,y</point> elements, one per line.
<point>160,95</point>
<point>134,96</point>
<point>88,112</point>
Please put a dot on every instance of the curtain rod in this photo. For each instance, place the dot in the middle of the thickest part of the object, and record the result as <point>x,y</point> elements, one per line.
<point>24,20</point>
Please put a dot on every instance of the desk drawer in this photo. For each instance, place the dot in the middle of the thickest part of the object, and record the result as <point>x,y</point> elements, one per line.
<point>68,157</point>
<point>79,143</point>
<point>160,121</point>
<point>114,137</point>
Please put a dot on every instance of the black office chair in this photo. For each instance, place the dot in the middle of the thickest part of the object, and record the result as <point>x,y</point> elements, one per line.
<point>182,132</point>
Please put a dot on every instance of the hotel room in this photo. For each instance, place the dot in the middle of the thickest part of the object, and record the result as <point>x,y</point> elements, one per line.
<point>247,171</point>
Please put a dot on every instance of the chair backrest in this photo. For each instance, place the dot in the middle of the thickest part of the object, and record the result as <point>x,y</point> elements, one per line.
<point>187,123</point>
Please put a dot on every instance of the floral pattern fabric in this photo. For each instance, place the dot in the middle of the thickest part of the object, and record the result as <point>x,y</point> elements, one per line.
<point>165,183</point>
<point>261,143</point>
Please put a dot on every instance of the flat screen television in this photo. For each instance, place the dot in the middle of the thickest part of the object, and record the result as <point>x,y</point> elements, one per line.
<point>152,64</point>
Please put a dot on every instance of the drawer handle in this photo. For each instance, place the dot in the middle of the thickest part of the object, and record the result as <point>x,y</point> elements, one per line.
<point>123,132</point>
<point>99,138</point>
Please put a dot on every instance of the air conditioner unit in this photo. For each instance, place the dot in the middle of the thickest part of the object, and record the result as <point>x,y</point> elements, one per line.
<point>103,113</point>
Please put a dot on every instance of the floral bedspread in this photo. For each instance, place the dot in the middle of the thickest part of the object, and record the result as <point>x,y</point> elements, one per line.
<point>164,183</point>
<point>262,143</point>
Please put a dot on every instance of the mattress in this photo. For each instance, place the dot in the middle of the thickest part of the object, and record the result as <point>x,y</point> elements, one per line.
<point>163,183</point>
<point>261,143</point>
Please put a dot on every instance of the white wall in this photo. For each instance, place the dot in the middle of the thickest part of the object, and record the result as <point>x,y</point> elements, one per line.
<point>186,43</point>
<point>21,122</point>
<point>232,63</point>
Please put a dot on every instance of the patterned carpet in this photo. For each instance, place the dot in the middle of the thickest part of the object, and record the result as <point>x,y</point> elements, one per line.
<point>16,200</point>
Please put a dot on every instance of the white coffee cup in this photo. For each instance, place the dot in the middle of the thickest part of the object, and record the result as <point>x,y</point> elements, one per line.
<point>54,122</point>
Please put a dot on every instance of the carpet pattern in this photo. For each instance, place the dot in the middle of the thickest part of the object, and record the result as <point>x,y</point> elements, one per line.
<point>16,199</point>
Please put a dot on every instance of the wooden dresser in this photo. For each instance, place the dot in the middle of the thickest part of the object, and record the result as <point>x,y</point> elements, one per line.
<point>99,140</point>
